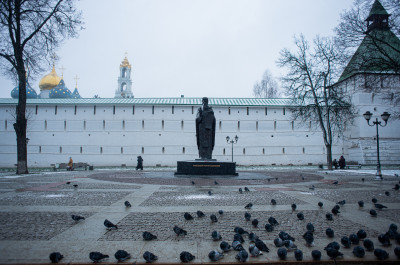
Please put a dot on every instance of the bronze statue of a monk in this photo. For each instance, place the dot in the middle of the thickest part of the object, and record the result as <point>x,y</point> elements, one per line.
<point>205,130</point>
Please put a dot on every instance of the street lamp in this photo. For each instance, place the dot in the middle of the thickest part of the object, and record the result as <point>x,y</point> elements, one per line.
<point>385,117</point>
<point>232,142</point>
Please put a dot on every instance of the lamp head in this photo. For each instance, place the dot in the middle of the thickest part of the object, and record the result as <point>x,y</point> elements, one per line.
<point>236,138</point>
<point>227,138</point>
<point>385,116</point>
<point>367,115</point>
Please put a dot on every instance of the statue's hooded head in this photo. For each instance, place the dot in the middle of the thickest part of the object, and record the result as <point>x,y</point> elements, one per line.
<point>205,101</point>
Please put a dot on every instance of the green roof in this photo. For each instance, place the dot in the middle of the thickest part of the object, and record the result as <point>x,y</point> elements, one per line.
<point>155,101</point>
<point>377,9</point>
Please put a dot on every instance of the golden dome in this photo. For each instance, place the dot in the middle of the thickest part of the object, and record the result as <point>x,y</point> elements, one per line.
<point>125,63</point>
<point>48,82</point>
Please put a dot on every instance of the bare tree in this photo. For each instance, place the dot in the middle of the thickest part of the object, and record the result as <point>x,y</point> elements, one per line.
<point>311,74</point>
<point>30,32</point>
<point>267,87</point>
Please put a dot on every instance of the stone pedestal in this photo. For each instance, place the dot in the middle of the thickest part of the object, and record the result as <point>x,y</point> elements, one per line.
<point>205,167</point>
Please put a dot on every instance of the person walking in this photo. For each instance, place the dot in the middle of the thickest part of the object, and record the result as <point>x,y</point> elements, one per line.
<point>139,163</point>
<point>342,162</point>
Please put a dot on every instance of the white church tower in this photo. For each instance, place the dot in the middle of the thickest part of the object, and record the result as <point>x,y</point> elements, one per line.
<point>124,89</point>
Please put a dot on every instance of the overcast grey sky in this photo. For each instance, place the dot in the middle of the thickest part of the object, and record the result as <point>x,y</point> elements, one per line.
<point>196,48</point>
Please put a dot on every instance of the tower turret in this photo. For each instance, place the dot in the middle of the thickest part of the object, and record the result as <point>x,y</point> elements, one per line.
<point>124,89</point>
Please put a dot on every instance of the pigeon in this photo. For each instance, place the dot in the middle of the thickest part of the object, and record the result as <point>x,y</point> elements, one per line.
<point>396,175</point>
<point>300,216</point>
<point>393,227</point>
<point>396,187</point>
<point>269,227</point>
<point>337,207</point>
<point>215,182</point>
<point>148,236</point>
<point>369,245</point>
<point>289,244</point>
<point>316,254</point>
<point>261,245</point>
<point>361,204</point>
<point>384,240</point>
<point>278,242</point>
<point>294,206</point>
<point>310,227</point>
<point>179,231</point>
<point>282,253</point>
<point>285,236</point>
<point>354,239</point>
<point>240,190</point>
<point>238,237</point>
<point>240,230</point>
<point>188,216</point>
<point>110,225</point>
<point>335,182</point>
<point>335,211</point>
<point>122,255</point>
<point>213,218</point>
<point>254,251</point>
<point>249,206</point>
<point>320,204</point>
<point>345,242</point>
<point>253,237</point>
<point>373,213</point>
<point>215,255</point>
<point>341,203</point>
<point>247,216</point>
<point>209,192</point>
<point>242,256</point>
<point>149,257</point>
<point>312,187</point>
<point>97,256</point>
<point>309,238</point>
<point>200,214</point>
<point>76,218</point>
<point>186,256</point>
<point>374,200</point>
<point>246,189</point>
<point>193,183</point>
<point>254,223</point>
<point>359,251</point>
<point>216,236</point>
<point>68,182</point>
<point>273,201</point>
<point>387,193</point>
<point>236,245</point>
<point>75,185</point>
<point>361,234</point>
<point>362,179</point>
<point>298,255</point>
<point>55,257</point>
<point>334,245</point>
<point>381,254</point>
<point>380,206</point>
<point>329,216</point>
<point>221,212</point>
<point>225,247</point>
<point>397,252</point>
<point>329,232</point>
<point>127,204</point>
<point>273,221</point>
<point>333,253</point>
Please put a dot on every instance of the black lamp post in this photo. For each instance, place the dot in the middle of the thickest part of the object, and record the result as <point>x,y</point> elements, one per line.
<point>233,141</point>
<point>385,117</point>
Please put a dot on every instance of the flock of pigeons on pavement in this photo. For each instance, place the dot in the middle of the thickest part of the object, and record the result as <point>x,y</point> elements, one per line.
<point>284,242</point>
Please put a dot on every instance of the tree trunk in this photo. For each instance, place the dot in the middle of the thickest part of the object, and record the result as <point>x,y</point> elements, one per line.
<point>21,123</point>
<point>329,156</point>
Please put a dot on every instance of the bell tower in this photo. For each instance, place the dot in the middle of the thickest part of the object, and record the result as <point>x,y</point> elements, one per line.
<point>124,89</point>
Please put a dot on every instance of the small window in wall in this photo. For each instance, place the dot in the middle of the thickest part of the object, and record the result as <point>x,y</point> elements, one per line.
<point>238,126</point>
<point>65,125</point>
<point>192,109</point>
<point>133,110</point>
<point>104,124</point>
<point>162,124</point>
<point>84,125</point>
<point>244,151</point>
<point>60,149</point>
<point>223,151</point>
<point>229,110</point>
<point>284,111</point>
<point>173,109</point>
<point>113,110</point>
<point>81,150</point>
<point>75,109</point>
<point>101,149</point>
<point>182,125</point>
<point>304,150</point>
<point>36,109</point>
<point>266,111</point>
<point>292,125</point>
<point>152,109</point>
<point>55,110</point>
<point>40,149</point>
<point>257,126</point>
<point>143,124</point>
<point>5,125</point>
<point>220,125</point>
<point>122,150</point>
<point>123,125</point>
<point>274,125</point>
<point>94,110</point>
<point>283,150</point>
<point>45,125</point>
<point>142,150</point>
<point>183,150</point>
<point>163,150</point>
<point>247,110</point>
<point>263,151</point>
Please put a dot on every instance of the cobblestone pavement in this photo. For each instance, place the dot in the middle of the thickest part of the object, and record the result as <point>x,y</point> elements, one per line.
<point>36,209</point>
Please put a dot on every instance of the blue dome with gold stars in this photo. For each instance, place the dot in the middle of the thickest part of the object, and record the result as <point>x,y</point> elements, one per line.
<point>60,91</point>
<point>30,92</point>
